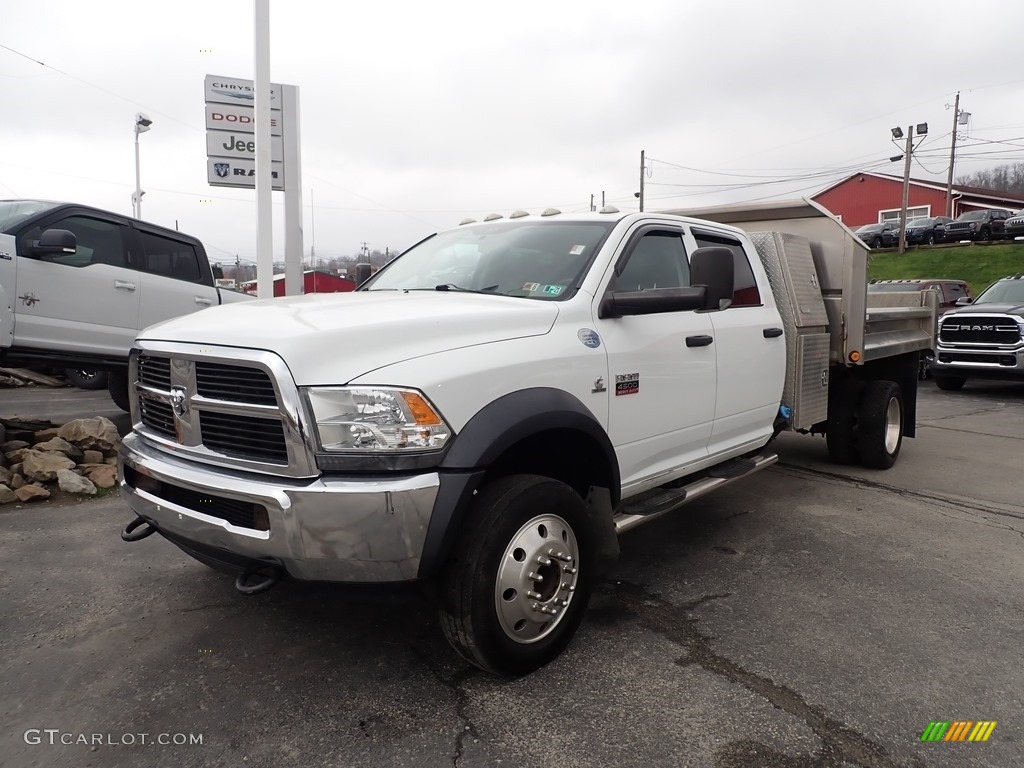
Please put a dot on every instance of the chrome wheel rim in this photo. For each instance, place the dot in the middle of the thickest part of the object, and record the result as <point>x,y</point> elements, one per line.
<point>536,579</point>
<point>892,425</point>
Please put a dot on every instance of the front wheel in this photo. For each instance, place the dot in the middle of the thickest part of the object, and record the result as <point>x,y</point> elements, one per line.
<point>931,238</point>
<point>117,386</point>
<point>876,243</point>
<point>86,378</point>
<point>518,583</point>
<point>984,235</point>
<point>880,424</point>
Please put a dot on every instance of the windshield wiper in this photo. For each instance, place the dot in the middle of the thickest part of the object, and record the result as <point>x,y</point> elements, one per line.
<point>460,289</point>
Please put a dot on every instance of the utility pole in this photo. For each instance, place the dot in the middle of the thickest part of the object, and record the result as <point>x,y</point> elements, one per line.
<point>952,156</point>
<point>591,202</point>
<point>643,158</point>
<point>906,189</point>
<point>602,199</point>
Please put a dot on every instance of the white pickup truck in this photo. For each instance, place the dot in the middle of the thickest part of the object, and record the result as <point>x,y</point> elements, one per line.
<point>77,284</point>
<point>497,404</point>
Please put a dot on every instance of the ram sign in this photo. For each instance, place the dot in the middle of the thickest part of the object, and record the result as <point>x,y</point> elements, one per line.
<point>230,133</point>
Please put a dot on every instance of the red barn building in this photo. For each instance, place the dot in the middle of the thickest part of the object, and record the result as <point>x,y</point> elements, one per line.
<point>313,281</point>
<point>871,198</point>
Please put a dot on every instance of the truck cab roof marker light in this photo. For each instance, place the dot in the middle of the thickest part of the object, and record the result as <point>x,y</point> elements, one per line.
<point>518,214</point>
<point>551,212</point>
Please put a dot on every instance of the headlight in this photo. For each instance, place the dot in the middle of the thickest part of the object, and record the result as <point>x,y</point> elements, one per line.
<point>374,420</point>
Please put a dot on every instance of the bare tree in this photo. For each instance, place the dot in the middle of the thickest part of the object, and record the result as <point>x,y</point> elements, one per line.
<point>1003,178</point>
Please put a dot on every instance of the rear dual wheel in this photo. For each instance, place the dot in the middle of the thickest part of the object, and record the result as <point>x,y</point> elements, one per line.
<point>869,429</point>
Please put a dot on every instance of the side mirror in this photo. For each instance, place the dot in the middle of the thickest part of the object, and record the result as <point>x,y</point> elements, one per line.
<point>963,301</point>
<point>712,267</point>
<point>652,301</point>
<point>54,242</point>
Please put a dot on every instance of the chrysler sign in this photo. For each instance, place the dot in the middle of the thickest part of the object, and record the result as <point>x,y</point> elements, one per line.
<point>231,129</point>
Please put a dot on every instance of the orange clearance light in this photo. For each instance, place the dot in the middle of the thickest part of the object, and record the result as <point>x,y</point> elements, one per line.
<point>855,356</point>
<point>422,412</point>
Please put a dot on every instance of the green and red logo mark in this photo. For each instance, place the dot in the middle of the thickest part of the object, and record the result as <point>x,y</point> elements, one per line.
<point>958,730</point>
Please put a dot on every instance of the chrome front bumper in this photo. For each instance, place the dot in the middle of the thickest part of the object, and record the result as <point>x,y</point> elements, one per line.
<point>322,529</point>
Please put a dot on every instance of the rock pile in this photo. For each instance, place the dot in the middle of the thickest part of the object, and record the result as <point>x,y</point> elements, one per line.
<point>78,457</point>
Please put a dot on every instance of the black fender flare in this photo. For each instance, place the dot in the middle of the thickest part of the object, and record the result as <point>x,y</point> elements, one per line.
<point>486,436</point>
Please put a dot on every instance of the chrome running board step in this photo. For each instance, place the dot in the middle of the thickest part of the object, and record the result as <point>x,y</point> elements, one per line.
<point>654,504</point>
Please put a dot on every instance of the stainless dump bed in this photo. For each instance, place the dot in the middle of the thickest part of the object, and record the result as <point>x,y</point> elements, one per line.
<point>862,326</point>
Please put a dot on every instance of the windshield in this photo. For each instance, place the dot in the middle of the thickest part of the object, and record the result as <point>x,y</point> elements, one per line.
<point>13,212</point>
<point>536,260</point>
<point>919,223</point>
<point>870,228</point>
<point>1003,292</point>
<point>973,216</point>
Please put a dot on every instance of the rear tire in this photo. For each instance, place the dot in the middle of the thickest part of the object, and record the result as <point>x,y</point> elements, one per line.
<point>880,424</point>
<point>520,527</point>
<point>950,383</point>
<point>117,386</point>
<point>86,378</point>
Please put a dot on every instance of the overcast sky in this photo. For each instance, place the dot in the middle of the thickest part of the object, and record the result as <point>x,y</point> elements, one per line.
<point>415,115</point>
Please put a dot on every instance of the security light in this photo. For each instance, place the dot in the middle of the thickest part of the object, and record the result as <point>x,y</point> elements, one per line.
<point>922,129</point>
<point>142,122</point>
<point>897,132</point>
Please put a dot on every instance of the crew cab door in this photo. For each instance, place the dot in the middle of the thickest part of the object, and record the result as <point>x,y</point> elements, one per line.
<point>661,367</point>
<point>175,281</point>
<point>8,289</point>
<point>87,301</point>
<point>751,351</point>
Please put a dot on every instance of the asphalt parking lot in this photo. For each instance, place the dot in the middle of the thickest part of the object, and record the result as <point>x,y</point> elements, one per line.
<point>810,616</point>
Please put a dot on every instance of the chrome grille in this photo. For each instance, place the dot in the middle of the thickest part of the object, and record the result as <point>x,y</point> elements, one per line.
<point>157,416</point>
<point>234,382</point>
<point>232,407</point>
<point>244,437</point>
<point>979,329</point>
<point>155,372</point>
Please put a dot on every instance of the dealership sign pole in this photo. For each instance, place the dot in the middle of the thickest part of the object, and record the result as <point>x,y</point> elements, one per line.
<point>233,144</point>
<point>264,232</point>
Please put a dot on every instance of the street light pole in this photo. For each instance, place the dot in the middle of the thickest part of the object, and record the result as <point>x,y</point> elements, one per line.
<point>906,189</point>
<point>142,124</point>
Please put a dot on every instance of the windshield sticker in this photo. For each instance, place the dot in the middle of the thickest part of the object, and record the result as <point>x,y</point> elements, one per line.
<point>553,290</point>
<point>589,338</point>
<point>627,383</point>
<point>577,250</point>
<point>531,286</point>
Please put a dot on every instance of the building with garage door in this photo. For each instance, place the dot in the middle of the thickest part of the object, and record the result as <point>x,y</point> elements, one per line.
<point>872,198</point>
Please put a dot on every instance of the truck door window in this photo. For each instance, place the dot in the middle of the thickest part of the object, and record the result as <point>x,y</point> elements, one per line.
<point>953,291</point>
<point>170,258</point>
<point>99,242</point>
<point>657,261</point>
<point>745,293</point>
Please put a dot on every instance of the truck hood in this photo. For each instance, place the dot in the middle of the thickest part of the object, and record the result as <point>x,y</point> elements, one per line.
<point>332,338</point>
<point>989,309</point>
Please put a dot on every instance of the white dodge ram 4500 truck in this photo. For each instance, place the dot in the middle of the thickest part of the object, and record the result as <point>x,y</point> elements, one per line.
<point>494,406</point>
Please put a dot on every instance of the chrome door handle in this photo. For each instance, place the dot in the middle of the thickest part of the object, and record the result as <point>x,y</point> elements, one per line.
<point>204,301</point>
<point>122,285</point>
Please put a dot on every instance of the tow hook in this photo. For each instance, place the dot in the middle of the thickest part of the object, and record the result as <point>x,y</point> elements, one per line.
<point>131,534</point>
<point>258,578</point>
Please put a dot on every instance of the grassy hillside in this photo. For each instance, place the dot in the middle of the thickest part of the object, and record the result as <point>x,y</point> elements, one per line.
<point>979,265</point>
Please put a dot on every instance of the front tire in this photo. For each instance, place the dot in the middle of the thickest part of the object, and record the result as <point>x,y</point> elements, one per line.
<point>117,386</point>
<point>880,424</point>
<point>931,238</point>
<point>520,578</point>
